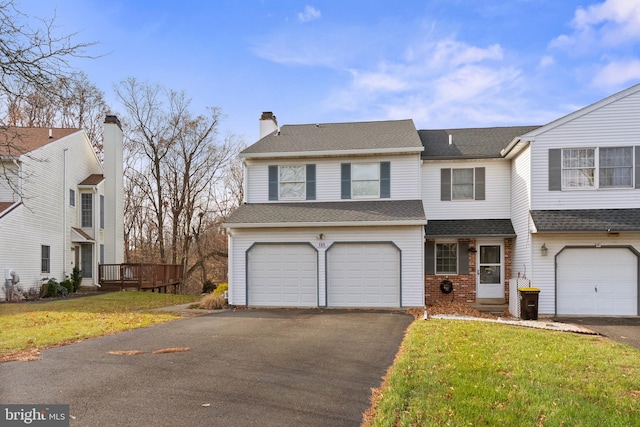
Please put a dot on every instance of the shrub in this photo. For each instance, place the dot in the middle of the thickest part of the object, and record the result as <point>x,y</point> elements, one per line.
<point>208,287</point>
<point>213,302</point>
<point>76,278</point>
<point>221,289</point>
<point>68,285</point>
<point>51,289</point>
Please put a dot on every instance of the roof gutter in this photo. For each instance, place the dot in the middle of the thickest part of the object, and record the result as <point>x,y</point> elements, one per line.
<point>336,153</point>
<point>325,224</point>
<point>515,147</point>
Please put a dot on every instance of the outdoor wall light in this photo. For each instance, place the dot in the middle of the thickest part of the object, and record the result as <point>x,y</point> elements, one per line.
<point>544,250</point>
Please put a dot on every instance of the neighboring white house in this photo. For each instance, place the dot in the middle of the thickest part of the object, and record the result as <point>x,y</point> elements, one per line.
<point>59,206</point>
<point>576,208</point>
<point>334,214</point>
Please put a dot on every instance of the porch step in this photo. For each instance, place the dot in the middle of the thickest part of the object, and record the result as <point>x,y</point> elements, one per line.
<point>495,309</point>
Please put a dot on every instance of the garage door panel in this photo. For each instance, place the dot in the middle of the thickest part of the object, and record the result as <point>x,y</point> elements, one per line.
<point>282,275</point>
<point>597,281</point>
<point>363,275</point>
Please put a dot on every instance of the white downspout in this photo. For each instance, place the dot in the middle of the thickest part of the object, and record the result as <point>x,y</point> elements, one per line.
<point>64,215</point>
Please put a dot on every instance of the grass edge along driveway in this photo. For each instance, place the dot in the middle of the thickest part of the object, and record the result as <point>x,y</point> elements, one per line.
<point>32,326</point>
<point>451,372</point>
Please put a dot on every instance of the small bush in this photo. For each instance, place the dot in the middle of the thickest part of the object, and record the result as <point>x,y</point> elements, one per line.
<point>221,289</point>
<point>76,279</point>
<point>68,285</point>
<point>51,289</point>
<point>213,302</point>
<point>208,287</point>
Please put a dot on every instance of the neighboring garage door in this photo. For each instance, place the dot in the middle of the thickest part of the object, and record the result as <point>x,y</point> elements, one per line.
<point>597,281</point>
<point>282,275</point>
<point>363,275</point>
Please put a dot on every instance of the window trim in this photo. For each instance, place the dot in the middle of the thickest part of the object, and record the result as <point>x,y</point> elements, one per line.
<point>83,210</point>
<point>597,169</point>
<point>473,184</point>
<point>102,211</point>
<point>45,259</point>
<point>378,180</point>
<point>303,182</point>
<point>456,256</point>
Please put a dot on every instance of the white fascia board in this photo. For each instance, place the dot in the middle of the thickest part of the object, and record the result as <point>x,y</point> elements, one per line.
<point>324,224</point>
<point>335,153</point>
<point>515,147</point>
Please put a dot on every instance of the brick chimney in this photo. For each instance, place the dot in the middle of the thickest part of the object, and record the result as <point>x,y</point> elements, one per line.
<point>268,124</point>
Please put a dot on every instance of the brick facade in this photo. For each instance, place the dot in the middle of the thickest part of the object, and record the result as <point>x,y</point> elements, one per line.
<point>464,285</point>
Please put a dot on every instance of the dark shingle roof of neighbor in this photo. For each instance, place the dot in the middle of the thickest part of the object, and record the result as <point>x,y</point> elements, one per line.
<point>329,212</point>
<point>471,143</point>
<point>586,220</point>
<point>331,137</point>
<point>469,228</point>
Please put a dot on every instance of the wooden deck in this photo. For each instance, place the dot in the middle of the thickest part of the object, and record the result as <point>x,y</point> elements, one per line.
<point>154,277</point>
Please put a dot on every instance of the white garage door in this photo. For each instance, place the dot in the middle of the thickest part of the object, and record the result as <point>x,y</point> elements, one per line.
<point>597,281</point>
<point>363,275</point>
<point>282,275</point>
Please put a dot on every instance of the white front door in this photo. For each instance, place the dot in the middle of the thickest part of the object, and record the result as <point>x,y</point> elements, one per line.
<point>490,270</point>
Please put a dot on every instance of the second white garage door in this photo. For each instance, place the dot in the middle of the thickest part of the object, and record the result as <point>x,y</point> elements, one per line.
<point>363,275</point>
<point>282,275</point>
<point>597,281</point>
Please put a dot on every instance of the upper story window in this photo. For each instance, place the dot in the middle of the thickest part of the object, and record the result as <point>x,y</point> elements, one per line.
<point>462,184</point>
<point>101,211</point>
<point>366,180</point>
<point>86,206</point>
<point>591,168</point>
<point>292,182</point>
<point>72,197</point>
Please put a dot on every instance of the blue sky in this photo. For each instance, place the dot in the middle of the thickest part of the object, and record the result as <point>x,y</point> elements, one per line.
<point>442,63</point>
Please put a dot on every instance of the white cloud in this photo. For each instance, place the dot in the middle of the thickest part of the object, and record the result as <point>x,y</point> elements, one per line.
<point>310,13</point>
<point>607,24</point>
<point>618,73</point>
<point>546,61</point>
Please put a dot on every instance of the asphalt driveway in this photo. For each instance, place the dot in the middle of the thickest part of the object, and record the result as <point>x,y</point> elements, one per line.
<point>244,368</point>
<point>625,330</point>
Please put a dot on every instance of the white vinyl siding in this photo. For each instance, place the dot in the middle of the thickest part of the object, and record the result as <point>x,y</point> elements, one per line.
<point>497,203</point>
<point>408,239</point>
<point>612,125</point>
<point>542,269</point>
<point>405,176</point>
<point>40,221</point>
<point>520,218</point>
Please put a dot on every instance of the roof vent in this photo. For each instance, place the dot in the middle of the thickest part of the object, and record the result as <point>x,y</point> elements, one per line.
<point>450,139</point>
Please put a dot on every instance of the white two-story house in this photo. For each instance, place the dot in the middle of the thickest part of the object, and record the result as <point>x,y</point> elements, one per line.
<point>576,208</point>
<point>332,217</point>
<point>60,207</point>
<point>340,215</point>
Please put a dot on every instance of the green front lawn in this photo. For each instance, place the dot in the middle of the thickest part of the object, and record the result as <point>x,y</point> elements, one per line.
<point>34,326</point>
<point>466,373</point>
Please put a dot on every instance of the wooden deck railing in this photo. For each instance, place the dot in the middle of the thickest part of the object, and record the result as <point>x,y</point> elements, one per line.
<point>115,277</point>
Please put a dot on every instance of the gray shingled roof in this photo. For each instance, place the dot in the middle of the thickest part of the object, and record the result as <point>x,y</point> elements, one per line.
<point>336,137</point>
<point>587,220</point>
<point>391,211</point>
<point>471,143</point>
<point>470,228</point>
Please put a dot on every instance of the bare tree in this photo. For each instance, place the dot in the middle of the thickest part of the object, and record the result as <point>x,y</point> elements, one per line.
<point>32,54</point>
<point>177,164</point>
